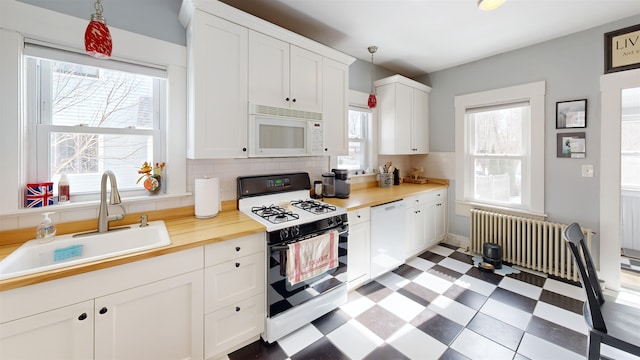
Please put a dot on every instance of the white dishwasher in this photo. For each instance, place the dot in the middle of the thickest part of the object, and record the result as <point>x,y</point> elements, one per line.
<point>388,228</point>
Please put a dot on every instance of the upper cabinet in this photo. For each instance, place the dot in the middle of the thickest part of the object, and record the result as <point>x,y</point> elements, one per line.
<point>217,88</point>
<point>235,59</point>
<point>283,75</point>
<point>403,113</point>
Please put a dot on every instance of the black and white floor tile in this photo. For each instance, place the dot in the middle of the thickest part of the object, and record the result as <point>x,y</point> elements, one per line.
<point>438,306</point>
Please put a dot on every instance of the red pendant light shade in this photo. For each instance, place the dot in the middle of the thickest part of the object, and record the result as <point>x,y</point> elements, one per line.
<point>373,101</point>
<point>97,38</point>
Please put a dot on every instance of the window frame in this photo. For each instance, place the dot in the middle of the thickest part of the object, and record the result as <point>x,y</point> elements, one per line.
<point>534,93</point>
<point>39,118</point>
<point>365,142</point>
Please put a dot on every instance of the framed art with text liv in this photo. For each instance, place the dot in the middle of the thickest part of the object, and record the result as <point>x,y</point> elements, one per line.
<point>622,49</point>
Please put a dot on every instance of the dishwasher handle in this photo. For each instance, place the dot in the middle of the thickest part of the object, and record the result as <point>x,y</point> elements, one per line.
<point>390,206</point>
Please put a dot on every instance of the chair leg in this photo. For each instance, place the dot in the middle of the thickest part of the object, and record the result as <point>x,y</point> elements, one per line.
<point>593,348</point>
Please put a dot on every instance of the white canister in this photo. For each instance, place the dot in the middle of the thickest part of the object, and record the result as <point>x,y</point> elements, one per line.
<point>207,197</point>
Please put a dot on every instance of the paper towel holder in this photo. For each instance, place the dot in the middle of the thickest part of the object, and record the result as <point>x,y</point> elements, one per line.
<point>207,197</point>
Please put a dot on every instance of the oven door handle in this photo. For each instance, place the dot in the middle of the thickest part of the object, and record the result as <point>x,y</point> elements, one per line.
<point>282,249</point>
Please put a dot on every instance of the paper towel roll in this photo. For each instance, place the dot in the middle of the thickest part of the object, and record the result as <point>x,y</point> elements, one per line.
<point>207,197</point>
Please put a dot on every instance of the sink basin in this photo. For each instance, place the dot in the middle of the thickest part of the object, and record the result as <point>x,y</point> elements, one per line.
<point>71,249</point>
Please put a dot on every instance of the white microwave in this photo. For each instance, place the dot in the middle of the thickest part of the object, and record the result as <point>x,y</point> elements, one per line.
<point>276,132</point>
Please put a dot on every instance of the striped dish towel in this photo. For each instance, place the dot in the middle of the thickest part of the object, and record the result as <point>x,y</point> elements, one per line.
<point>312,257</point>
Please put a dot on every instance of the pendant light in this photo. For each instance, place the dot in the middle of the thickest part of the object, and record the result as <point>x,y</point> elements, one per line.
<point>97,38</point>
<point>490,4</point>
<point>372,102</point>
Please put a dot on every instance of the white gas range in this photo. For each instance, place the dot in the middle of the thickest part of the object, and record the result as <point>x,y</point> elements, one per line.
<point>282,204</point>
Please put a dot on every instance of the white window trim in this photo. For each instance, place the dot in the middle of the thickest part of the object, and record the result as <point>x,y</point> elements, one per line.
<point>535,94</point>
<point>19,21</point>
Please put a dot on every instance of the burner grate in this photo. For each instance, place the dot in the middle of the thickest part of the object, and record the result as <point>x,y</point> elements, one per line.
<point>313,206</point>
<point>274,214</point>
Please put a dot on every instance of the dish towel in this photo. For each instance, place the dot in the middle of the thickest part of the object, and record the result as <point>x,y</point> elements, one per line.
<point>312,257</point>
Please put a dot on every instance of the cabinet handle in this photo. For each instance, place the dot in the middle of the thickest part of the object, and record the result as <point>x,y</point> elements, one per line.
<point>294,100</point>
<point>237,308</point>
<point>287,99</point>
<point>82,316</point>
<point>103,311</point>
<point>359,216</point>
<point>237,264</point>
<point>326,149</point>
<point>237,248</point>
<point>244,149</point>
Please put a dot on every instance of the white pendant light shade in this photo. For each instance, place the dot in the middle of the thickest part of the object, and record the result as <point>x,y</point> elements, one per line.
<point>490,4</point>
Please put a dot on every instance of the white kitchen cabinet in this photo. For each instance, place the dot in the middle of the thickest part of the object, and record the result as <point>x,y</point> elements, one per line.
<point>217,88</point>
<point>64,333</point>
<point>235,302</point>
<point>161,320</point>
<point>403,113</point>
<point>335,104</point>
<point>358,251</point>
<point>150,309</point>
<point>426,221</point>
<point>284,75</point>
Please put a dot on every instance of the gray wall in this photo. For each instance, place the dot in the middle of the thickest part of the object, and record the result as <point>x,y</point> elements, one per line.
<point>360,75</point>
<point>154,18</point>
<point>571,66</point>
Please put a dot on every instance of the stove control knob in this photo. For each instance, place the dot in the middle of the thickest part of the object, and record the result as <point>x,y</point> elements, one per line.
<point>284,234</point>
<point>330,221</point>
<point>338,220</point>
<point>295,231</point>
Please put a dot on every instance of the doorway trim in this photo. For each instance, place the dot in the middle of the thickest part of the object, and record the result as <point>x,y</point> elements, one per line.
<point>611,86</point>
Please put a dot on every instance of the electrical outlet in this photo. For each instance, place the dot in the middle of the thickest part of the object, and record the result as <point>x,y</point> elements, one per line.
<point>587,170</point>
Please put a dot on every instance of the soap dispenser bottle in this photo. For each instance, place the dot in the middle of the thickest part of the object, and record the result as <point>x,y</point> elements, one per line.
<point>46,230</point>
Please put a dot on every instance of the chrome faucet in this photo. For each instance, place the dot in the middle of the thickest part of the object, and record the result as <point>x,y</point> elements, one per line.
<point>103,215</point>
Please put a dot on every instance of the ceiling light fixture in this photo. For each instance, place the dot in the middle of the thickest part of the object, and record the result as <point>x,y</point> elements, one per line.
<point>372,102</point>
<point>490,4</point>
<point>97,38</point>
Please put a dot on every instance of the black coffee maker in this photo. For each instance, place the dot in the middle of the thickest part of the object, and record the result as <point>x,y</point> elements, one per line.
<point>342,184</point>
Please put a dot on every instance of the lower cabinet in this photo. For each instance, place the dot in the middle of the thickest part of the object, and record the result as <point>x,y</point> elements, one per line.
<point>426,221</point>
<point>64,333</point>
<point>235,300</point>
<point>161,320</point>
<point>358,251</point>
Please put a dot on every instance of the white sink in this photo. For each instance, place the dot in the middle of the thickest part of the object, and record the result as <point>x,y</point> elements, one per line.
<point>71,249</point>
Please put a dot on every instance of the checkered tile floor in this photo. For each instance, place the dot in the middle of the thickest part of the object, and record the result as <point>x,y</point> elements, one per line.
<point>438,306</point>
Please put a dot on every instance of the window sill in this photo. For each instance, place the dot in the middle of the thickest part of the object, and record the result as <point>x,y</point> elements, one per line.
<point>463,208</point>
<point>93,203</point>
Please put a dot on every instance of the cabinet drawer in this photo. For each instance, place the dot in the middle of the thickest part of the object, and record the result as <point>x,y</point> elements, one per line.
<point>427,197</point>
<point>227,328</point>
<point>232,281</point>
<point>359,216</point>
<point>234,249</point>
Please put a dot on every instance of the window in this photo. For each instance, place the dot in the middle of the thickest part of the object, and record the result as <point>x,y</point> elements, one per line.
<point>86,119</point>
<point>359,147</point>
<point>500,149</point>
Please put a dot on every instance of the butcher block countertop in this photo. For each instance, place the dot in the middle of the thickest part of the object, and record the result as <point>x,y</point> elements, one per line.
<point>372,196</point>
<point>188,232</point>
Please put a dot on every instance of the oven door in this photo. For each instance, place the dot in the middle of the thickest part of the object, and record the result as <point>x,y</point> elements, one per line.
<point>283,295</point>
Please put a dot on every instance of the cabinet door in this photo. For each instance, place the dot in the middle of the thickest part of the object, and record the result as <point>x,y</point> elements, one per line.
<point>234,280</point>
<point>358,253</point>
<point>218,55</point>
<point>161,320</point>
<point>395,110</point>
<point>64,333</point>
<point>335,104</point>
<point>268,70</point>
<point>417,228</point>
<point>232,325</point>
<point>305,80</point>
<point>420,122</point>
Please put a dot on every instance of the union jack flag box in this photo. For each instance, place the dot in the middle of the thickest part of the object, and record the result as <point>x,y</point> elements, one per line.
<point>39,194</point>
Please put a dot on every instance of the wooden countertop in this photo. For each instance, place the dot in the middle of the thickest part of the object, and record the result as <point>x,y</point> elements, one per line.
<point>188,232</point>
<point>185,233</point>
<point>372,196</point>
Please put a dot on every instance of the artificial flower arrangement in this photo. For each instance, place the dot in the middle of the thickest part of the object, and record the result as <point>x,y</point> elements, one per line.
<point>153,180</point>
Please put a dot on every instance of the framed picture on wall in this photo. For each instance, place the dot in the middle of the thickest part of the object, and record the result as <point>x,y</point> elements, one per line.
<point>571,114</point>
<point>572,145</point>
<point>622,49</point>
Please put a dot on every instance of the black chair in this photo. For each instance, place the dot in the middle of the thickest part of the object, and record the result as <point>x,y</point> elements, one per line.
<point>609,323</point>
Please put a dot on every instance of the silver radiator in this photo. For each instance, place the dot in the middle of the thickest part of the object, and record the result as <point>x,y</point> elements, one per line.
<point>530,243</point>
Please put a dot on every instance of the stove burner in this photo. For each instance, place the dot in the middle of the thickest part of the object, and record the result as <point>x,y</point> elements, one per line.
<point>274,214</point>
<point>313,206</point>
